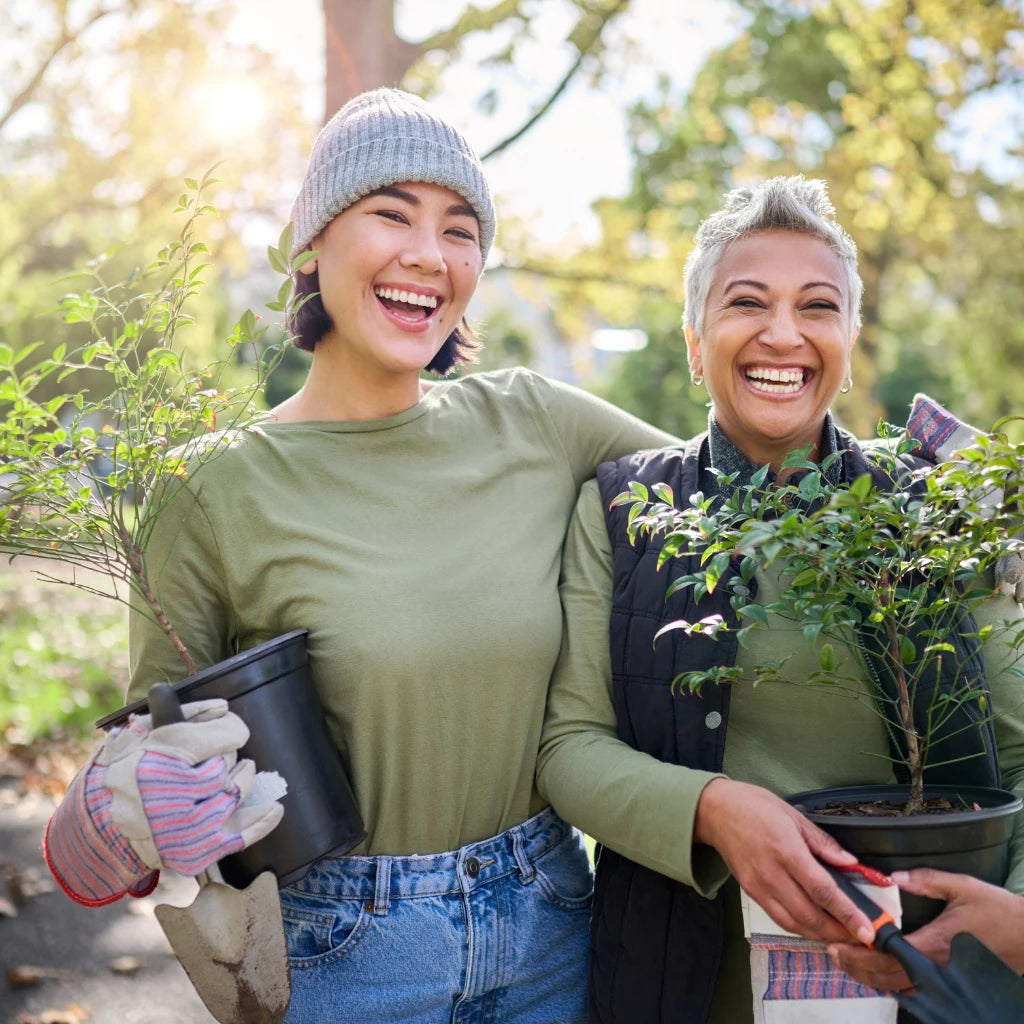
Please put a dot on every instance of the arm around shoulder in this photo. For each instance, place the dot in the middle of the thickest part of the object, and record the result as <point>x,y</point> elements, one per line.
<point>635,804</point>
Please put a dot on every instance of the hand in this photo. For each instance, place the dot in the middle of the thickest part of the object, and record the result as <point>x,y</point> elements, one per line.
<point>993,914</point>
<point>942,436</point>
<point>172,797</point>
<point>772,851</point>
<point>177,794</point>
<point>941,433</point>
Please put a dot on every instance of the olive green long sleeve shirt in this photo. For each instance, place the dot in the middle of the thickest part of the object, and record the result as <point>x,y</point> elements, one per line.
<point>422,553</point>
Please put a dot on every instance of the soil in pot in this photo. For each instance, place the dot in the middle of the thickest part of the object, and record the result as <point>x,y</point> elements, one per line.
<point>968,832</point>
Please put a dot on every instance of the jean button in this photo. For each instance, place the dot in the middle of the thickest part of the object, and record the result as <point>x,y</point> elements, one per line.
<point>472,867</point>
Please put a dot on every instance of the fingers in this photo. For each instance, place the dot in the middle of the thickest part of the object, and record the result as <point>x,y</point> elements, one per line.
<point>940,885</point>
<point>201,738</point>
<point>197,709</point>
<point>824,846</point>
<point>869,967</point>
<point>818,907</point>
<point>825,893</point>
<point>253,822</point>
<point>772,851</point>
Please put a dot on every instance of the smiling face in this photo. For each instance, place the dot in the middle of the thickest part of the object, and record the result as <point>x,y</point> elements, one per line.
<point>397,269</point>
<point>775,344</point>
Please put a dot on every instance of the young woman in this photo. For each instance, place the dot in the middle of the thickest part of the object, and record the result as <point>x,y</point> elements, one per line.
<point>415,529</point>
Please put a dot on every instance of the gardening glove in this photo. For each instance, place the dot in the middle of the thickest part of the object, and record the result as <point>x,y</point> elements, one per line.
<point>942,435</point>
<point>173,797</point>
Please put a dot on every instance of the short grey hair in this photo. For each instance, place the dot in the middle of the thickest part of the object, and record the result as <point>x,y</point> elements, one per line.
<point>789,204</point>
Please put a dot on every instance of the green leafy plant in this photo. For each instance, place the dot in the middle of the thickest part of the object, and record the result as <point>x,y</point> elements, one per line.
<point>892,573</point>
<point>76,465</point>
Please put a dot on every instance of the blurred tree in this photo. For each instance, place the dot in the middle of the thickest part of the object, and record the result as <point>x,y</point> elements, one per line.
<point>866,95</point>
<point>105,107</point>
<point>364,50</point>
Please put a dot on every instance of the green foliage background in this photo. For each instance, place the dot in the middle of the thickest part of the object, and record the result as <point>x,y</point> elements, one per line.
<point>100,119</point>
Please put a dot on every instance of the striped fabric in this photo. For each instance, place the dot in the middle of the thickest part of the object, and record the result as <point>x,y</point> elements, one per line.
<point>80,858</point>
<point>934,426</point>
<point>796,971</point>
<point>794,980</point>
<point>187,807</point>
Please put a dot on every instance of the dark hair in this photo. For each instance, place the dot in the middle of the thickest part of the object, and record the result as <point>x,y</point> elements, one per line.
<point>312,321</point>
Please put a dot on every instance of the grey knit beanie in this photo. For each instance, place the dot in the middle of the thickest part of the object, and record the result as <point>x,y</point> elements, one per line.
<point>380,138</point>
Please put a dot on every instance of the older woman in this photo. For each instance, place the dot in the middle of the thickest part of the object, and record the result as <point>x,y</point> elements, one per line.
<point>683,791</point>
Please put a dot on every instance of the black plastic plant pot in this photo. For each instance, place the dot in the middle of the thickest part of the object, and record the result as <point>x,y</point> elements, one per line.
<point>270,688</point>
<point>972,841</point>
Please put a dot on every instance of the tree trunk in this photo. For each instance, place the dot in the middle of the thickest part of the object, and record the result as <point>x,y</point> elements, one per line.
<point>363,51</point>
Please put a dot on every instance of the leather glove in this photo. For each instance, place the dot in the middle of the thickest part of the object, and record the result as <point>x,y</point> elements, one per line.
<point>173,797</point>
<point>942,435</point>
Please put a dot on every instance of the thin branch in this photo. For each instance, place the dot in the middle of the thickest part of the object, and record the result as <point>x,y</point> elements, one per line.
<point>472,19</point>
<point>584,51</point>
<point>66,37</point>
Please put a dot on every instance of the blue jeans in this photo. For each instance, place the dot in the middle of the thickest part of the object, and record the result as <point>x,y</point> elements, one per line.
<point>495,932</point>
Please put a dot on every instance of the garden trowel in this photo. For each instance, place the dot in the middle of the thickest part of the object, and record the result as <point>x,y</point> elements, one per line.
<point>230,941</point>
<point>975,986</point>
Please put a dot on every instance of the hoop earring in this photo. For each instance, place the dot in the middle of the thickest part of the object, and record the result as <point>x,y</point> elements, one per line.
<point>847,384</point>
<point>696,379</point>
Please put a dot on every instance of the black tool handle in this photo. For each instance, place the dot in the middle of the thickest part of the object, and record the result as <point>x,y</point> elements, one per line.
<point>885,927</point>
<point>888,938</point>
<point>164,706</point>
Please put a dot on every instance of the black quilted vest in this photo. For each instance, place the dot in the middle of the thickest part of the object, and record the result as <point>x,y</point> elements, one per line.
<point>656,944</point>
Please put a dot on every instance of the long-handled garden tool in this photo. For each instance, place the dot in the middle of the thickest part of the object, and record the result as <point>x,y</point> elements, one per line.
<point>975,986</point>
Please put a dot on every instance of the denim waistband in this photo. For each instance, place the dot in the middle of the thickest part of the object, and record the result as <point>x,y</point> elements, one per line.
<point>383,878</point>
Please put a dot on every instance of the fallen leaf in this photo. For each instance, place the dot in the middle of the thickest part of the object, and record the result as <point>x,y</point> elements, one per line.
<point>125,964</point>
<point>26,976</point>
<point>73,1014</point>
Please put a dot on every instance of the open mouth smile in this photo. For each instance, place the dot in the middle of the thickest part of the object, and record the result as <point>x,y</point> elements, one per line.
<point>407,304</point>
<point>775,381</point>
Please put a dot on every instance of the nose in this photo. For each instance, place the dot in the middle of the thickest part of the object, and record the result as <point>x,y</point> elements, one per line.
<point>782,332</point>
<point>423,252</point>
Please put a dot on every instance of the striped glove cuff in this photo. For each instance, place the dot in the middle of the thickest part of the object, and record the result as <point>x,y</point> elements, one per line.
<point>80,856</point>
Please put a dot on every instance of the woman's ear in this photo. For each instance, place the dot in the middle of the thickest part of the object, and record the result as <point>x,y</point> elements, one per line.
<point>693,350</point>
<point>312,248</point>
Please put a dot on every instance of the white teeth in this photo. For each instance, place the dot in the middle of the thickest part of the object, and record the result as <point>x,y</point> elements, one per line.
<point>775,381</point>
<point>429,301</point>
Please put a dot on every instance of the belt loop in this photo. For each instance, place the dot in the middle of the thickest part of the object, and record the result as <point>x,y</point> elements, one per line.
<point>526,869</point>
<point>381,902</point>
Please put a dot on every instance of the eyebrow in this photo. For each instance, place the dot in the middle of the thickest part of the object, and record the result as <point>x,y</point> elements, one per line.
<point>456,209</point>
<point>761,286</point>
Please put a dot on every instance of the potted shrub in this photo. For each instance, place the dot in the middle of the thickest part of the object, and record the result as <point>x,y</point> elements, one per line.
<point>893,574</point>
<point>142,421</point>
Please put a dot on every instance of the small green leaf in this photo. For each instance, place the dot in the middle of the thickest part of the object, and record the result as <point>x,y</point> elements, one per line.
<point>276,260</point>
<point>827,658</point>
<point>861,487</point>
<point>664,493</point>
<point>908,652</point>
<point>805,577</point>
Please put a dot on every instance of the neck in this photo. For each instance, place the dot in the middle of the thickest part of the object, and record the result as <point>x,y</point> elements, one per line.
<point>331,393</point>
<point>734,455</point>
